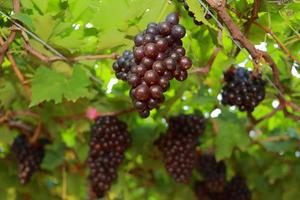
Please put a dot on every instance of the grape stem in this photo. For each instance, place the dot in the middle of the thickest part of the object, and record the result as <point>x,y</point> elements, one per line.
<point>36,134</point>
<point>206,69</point>
<point>17,71</point>
<point>49,60</point>
<point>5,45</point>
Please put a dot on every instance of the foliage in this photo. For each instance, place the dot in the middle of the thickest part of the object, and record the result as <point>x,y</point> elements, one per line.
<point>266,153</point>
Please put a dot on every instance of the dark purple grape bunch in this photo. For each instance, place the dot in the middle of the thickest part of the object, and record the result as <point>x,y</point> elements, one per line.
<point>178,146</point>
<point>108,143</point>
<point>243,89</point>
<point>202,193</point>
<point>192,15</point>
<point>193,124</point>
<point>123,65</point>
<point>159,57</point>
<point>213,172</point>
<point>237,189</point>
<point>29,156</point>
<point>214,185</point>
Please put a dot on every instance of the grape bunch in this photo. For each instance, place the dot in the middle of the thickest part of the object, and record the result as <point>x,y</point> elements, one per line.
<point>214,185</point>
<point>29,156</point>
<point>192,15</point>
<point>108,143</point>
<point>243,89</point>
<point>203,193</point>
<point>123,65</point>
<point>237,189</point>
<point>214,173</point>
<point>192,124</point>
<point>158,57</point>
<point>178,146</point>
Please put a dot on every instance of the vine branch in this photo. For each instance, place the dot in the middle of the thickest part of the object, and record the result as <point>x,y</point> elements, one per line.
<point>49,60</point>
<point>17,71</point>
<point>36,133</point>
<point>280,44</point>
<point>206,69</point>
<point>5,45</point>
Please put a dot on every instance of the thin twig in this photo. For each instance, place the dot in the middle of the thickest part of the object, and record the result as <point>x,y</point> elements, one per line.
<point>116,113</point>
<point>280,44</point>
<point>265,117</point>
<point>5,45</point>
<point>205,70</point>
<point>12,35</point>
<point>18,73</point>
<point>36,134</point>
<point>21,126</point>
<point>277,138</point>
<point>49,60</point>
<point>290,115</point>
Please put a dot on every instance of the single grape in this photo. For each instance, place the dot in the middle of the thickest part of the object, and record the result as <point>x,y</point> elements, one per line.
<point>170,64</point>
<point>164,28</point>
<point>178,31</point>
<point>142,92</point>
<point>138,53</point>
<point>172,18</point>
<point>164,83</point>
<point>151,50</point>
<point>159,67</point>
<point>139,39</point>
<point>185,63</point>
<point>156,91</point>
<point>151,77</point>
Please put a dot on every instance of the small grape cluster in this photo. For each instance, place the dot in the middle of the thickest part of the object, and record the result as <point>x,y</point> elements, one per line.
<point>158,57</point>
<point>123,65</point>
<point>29,156</point>
<point>214,173</point>
<point>178,146</point>
<point>215,186</point>
<point>243,89</point>
<point>191,14</point>
<point>108,143</point>
<point>237,189</point>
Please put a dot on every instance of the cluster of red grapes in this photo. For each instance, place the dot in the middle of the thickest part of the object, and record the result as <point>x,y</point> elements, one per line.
<point>191,14</point>
<point>29,156</point>
<point>108,143</point>
<point>158,58</point>
<point>178,145</point>
<point>243,89</point>
<point>215,186</point>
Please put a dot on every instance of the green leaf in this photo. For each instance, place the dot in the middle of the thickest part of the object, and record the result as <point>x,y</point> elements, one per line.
<point>231,134</point>
<point>69,137</point>
<point>49,85</point>
<point>7,93</point>
<point>25,19</point>
<point>54,156</point>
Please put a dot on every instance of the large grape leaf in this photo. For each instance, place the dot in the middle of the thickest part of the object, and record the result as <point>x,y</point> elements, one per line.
<point>231,134</point>
<point>49,85</point>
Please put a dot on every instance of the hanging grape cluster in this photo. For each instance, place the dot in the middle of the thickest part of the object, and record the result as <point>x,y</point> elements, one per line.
<point>243,89</point>
<point>29,156</point>
<point>108,144</point>
<point>237,189</point>
<point>214,173</point>
<point>214,185</point>
<point>192,15</point>
<point>158,58</point>
<point>178,145</point>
